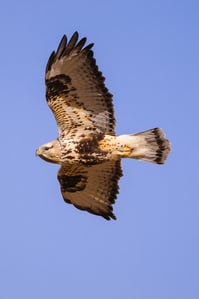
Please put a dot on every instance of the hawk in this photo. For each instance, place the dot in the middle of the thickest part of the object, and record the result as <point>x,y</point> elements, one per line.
<point>87,147</point>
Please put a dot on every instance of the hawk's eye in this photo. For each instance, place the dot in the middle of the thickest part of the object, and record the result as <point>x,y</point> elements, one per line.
<point>46,148</point>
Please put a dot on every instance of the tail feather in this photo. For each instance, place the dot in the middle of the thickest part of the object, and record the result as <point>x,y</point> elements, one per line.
<point>150,146</point>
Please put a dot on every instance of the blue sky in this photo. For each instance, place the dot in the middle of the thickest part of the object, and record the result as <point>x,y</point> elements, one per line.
<point>148,52</point>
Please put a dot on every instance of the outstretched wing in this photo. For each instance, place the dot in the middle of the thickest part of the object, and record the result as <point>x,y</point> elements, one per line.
<point>76,92</point>
<point>92,188</point>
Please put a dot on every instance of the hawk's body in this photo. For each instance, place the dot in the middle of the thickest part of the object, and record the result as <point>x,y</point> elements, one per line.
<point>87,148</point>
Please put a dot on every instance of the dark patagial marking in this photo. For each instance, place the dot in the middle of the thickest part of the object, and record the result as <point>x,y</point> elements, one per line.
<point>72,183</point>
<point>58,85</point>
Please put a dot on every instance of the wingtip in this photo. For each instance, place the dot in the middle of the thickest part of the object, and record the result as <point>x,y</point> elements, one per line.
<point>108,216</point>
<point>76,33</point>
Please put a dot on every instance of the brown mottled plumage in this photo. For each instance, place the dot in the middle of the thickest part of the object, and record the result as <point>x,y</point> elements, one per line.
<point>87,148</point>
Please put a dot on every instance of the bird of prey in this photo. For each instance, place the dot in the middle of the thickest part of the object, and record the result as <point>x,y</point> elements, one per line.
<point>87,148</point>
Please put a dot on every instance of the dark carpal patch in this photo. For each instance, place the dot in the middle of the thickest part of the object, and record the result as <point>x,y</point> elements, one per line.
<point>72,183</point>
<point>58,85</point>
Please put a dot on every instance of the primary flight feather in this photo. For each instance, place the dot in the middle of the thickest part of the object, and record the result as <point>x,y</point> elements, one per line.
<point>87,147</point>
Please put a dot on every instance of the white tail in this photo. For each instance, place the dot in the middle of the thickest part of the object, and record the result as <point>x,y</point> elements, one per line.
<point>150,146</point>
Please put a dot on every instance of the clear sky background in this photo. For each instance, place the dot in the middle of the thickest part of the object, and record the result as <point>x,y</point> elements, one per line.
<point>149,54</point>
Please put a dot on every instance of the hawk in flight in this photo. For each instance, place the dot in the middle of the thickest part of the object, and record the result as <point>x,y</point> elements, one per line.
<point>87,147</point>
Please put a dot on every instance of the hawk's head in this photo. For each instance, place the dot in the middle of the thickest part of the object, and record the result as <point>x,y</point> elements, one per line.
<point>50,152</point>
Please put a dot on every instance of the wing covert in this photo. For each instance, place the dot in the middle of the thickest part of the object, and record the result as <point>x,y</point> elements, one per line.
<point>76,92</point>
<point>92,188</point>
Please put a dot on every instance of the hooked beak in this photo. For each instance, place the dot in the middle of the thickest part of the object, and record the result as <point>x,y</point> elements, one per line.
<point>37,152</point>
